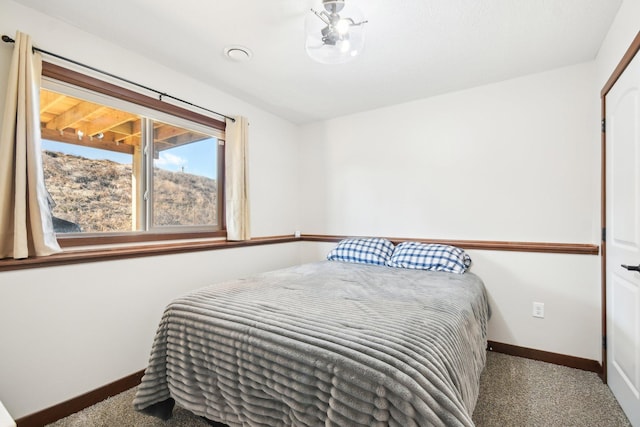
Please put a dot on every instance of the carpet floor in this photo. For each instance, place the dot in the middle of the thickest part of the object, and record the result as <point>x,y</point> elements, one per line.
<point>513,392</point>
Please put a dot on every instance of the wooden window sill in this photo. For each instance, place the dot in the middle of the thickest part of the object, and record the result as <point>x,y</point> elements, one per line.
<point>76,255</point>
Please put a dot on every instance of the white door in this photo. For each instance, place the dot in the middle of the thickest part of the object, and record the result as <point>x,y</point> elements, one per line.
<point>623,240</point>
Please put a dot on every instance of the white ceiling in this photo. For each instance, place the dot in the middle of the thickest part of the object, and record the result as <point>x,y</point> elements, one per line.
<point>414,48</point>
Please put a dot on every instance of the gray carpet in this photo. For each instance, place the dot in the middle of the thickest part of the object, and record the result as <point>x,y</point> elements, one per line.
<point>522,392</point>
<point>513,392</point>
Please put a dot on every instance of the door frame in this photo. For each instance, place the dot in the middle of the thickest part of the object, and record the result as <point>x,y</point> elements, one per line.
<point>631,52</point>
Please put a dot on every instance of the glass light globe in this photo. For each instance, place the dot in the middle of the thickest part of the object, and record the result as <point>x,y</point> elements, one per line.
<point>338,41</point>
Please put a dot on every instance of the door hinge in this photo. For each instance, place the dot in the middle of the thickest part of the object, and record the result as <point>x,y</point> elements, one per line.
<point>604,342</point>
<point>604,125</point>
<point>604,234</point>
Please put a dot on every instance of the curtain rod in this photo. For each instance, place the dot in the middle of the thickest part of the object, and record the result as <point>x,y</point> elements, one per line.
<point>161,94</point>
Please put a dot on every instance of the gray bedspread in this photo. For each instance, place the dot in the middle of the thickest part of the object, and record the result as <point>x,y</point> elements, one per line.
<point>328,343</point>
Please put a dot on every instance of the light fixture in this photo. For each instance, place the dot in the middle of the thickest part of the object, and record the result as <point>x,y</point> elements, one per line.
<point>238,53</point>
<point>332,38</point>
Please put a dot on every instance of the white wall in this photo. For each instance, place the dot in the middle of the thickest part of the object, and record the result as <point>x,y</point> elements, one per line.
<point>622,32</point>
<point>67,330</point>
<point>70,329</point>
<point>507,161</point>
<point>513,161</point>
<point>517,160</point>
<point>273,141</point>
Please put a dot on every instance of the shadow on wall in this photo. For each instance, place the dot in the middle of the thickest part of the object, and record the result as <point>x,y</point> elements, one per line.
<point>501,285</point>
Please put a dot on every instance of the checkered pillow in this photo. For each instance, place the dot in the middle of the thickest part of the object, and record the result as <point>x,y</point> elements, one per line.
<point>365,251</point>
<point>434,257</point>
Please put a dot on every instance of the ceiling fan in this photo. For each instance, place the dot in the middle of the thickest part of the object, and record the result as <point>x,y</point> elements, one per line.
<point>333,38</point>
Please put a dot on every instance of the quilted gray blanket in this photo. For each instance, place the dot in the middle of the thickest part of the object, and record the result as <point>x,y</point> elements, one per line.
<point>323,344</point>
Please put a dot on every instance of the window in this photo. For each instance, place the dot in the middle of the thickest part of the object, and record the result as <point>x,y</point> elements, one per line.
<point>122,171</point>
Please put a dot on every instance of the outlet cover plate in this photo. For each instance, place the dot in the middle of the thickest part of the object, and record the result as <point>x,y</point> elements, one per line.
<point>538,309</point>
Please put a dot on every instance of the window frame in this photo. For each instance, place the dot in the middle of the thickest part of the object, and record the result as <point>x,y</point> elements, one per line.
<point>60,74</point>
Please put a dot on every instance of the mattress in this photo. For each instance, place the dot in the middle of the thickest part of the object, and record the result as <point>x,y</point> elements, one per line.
<point>327,343</point>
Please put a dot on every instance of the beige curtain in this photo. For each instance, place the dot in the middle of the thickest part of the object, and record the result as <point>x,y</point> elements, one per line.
<point>26,227</point>
<point>237,179</point>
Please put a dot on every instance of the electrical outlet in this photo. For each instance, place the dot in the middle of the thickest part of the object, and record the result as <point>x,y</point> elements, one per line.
<point>538,309</point>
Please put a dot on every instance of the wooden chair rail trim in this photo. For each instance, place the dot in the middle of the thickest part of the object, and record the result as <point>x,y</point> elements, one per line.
<point>562,248</point>
<point>76,256</point>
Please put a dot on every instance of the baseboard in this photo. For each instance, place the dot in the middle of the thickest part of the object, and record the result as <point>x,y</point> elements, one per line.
<point>546,356</point>
<point>79,403</point>
<point>71,406</point>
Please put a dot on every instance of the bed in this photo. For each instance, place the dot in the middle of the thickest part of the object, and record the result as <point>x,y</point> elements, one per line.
<point>327,343</point>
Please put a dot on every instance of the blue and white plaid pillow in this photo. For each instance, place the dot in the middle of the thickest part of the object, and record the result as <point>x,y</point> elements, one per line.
<point>434,257</point>
<point>365,251</point>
